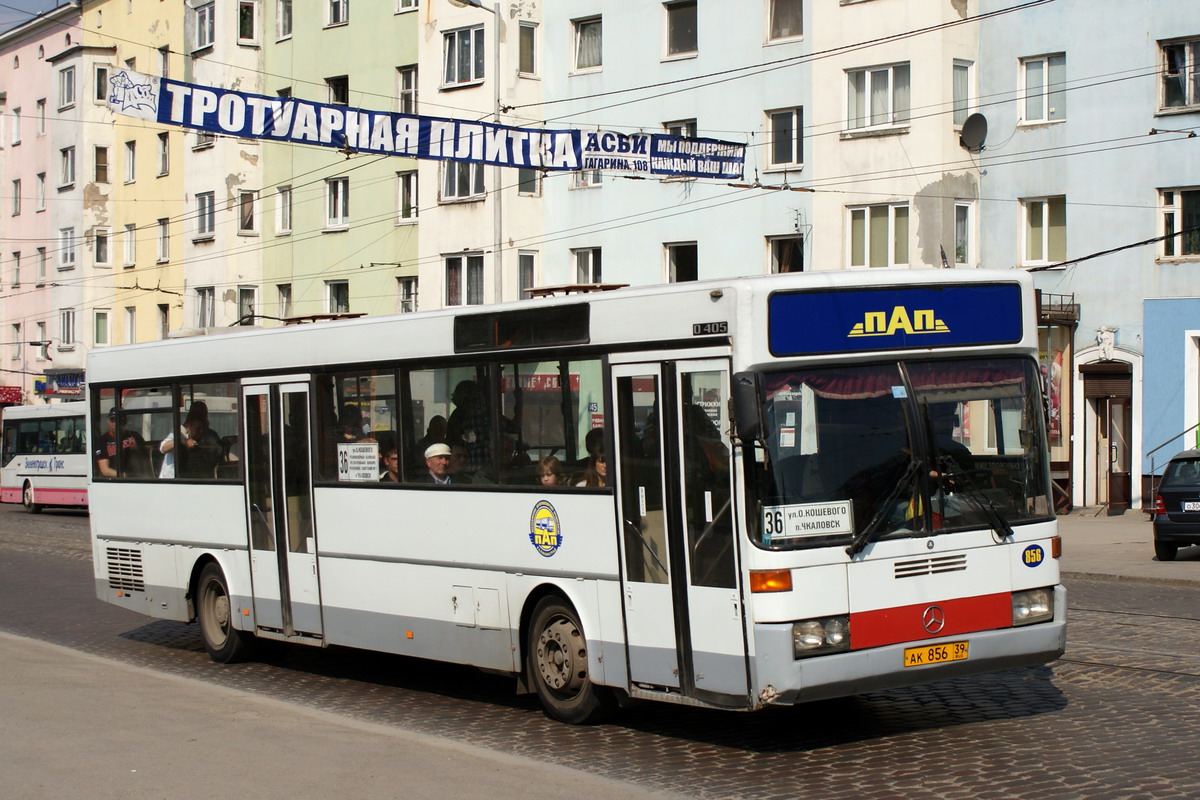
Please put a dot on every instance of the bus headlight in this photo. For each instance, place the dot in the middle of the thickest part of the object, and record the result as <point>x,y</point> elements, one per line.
<point>816,637</point>
<point>1032,605</point>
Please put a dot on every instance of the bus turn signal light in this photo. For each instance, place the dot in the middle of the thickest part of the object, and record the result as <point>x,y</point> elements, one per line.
<point>1056,547</point>
<point>771,580</point>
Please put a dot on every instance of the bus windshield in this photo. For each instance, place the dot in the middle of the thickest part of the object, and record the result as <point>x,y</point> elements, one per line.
<point>899,448</point>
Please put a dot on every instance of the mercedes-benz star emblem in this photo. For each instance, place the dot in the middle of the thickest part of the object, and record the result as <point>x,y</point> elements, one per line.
<point>934,619</point>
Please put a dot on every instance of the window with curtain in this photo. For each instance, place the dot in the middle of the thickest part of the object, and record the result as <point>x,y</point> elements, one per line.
<point>1180,74</point>
<point>879,236</point>
<point>1045,88</point>
<point>1045,229</point>
<point>464,56</point>
<point>786,19</point>
<point>588,41</point>
<point>878,96</point>
<point>1180,222</point>
<point>787,138</point>
<point>961,80</point>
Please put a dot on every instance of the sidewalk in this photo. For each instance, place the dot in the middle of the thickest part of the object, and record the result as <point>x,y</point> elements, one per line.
<point>1096,545</point>
<point>82,726</point>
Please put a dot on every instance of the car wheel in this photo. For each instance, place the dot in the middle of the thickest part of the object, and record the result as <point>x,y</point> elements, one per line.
<point>556,658</point>
<point>1164,551</point>
<point>224,643</point>
<point>27,500</point>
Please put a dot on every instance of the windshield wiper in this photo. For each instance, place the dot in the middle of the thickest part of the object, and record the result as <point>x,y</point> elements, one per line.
<point>975,496</point>
<point>867,535</point>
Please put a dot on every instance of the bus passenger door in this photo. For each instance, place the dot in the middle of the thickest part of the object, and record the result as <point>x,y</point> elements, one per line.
<point>649,608</point>
<point>283,553</point>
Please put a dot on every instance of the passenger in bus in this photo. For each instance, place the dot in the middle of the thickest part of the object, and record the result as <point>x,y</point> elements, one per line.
<point>351,425</point>
<point>459,461</point>
<point>391,465</point>
<point>203,449</point>
<point>550,472</point>
<point>133,451</point>
<point>596,473</point>
<point>437,462</point>
<point>591,441</point>
<point>470,423</point>
<point>434,433</point>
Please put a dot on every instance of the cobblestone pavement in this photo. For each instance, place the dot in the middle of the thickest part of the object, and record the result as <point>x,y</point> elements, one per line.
<point>1113,719</point>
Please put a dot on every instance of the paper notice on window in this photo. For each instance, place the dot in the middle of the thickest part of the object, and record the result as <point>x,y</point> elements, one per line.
<point>358,461</point>
<point>807,520</point>
<point>787,437</point>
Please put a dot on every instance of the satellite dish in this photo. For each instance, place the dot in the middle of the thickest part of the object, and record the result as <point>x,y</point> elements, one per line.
<point>974,132</point>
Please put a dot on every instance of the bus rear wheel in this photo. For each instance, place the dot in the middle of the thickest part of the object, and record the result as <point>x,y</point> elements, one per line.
<point>27,499</point>
<point>557,662</point>
<point>224,643</point>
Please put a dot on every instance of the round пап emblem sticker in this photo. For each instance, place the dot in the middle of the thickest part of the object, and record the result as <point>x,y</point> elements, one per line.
<point>544,530</point>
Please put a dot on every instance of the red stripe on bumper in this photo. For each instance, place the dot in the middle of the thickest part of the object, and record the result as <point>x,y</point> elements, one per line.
<point>906,623</point>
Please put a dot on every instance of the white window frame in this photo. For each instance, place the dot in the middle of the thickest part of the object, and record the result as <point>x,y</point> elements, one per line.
<point>164,240</point>
<point>671,252</point>
<point>407,295</point>
<point>41,117</point>
<point>16,197</point>
<point>674,19</point>
<point>404,6</point>
<point>247,301</point>
<point>16,127</point>
<point>206,216</point>
<point>964,234</point>
<point>1172,218</point>
<point>337,203</point>
<point>66,248</point>
<point>587,179</point>
<point>775,244</point>
<point>130,324</point>
<point>247,209</point>
<point>206,312</point>
<point>451,178</point>
<point>101,328</point>
<point>332,291</point>
<point>453,42</point>
<point>42,351</point>
<point>795,143</point>
<point>66,167</point>
<point>253,7</point>
<point>332,85</point>
<point>1181,71</point>
<point>66,329</point>
<point>578,29</point>
<point>17,344</point>
<point>1051,104</point>
<point>16,273</point>
<point>406,89</point>
<point>283,20</point>
<point>962,91</point>
<point>100,164</point>
<point>407,208</point>
<point>203,17</point>
<point>100,78</point>
<point>588,263</point>
<point>529,182</point>
<point>204,140</point>
<point>102,247</point>
<point>470,284</point>
<point>894,113</point>
<point>40,187</point>
<point>129,245</point>
<point>131,162</point>
<point>795,9</point>
<point>337,12</point>
<point>527,54</point>
<point>164,154</point>
<point>1043,211</point>
<point>898,235</point>
<point>164,61</point>
<point>527,272</point>
<point>283,211</point>
<point>164,320</point>
<point>66,88</point>
<point>42,258</point>
<point>283,294</point>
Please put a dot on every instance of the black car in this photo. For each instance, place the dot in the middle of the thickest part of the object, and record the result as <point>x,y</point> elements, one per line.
<point>1177,505</point>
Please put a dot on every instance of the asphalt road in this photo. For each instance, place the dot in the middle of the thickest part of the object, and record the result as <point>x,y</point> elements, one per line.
<point>1115,718</point>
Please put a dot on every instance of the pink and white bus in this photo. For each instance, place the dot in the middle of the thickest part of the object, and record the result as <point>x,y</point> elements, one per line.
<point>45,456</point>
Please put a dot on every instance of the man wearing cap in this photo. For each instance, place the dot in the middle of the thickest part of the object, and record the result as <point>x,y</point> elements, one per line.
<point>437,459</point>
<point>131,443</point>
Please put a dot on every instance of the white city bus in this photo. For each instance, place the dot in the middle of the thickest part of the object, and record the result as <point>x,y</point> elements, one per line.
<point>813,485</point>
<point>44,458</point>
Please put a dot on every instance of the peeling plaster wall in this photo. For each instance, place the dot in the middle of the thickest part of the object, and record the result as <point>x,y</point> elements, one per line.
<point>934,205</point>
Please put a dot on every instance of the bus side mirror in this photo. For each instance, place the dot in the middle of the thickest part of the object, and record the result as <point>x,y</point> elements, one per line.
<point>748,403</point>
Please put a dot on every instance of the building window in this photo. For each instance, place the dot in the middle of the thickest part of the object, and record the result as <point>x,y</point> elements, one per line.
<point>100,327</point>
<point>40,189</point>
<point>683,262</point>
<point>284,291</point>
<point>588,43</point>
<point>205,307</point>
<point>463,51</point>
<point>406,89</point>
<point>961,88</point>
<point>130,162</point>
<point>164,61</point>
<point>787,138</point>
<point>16,341</point>
<point>41,117</point>
<point>66,328</point>
<point>407,290</point>
<point>41,265</point>
<point>587,264</point>
<point>1045,229</point>
<point>283,210</point>
<point>164,154</point>
<point>405,5</point>
<point>164,240</point>
<point>464,280</point>
<point>16,273</point>
<point>1180,74</point>
<point>337,294</point>
<point>101,88</point>
<point>962,234</point>
<point>787,254</point>
<point>526,273</point>
<point>66,248</point>
<point>529,182</point>
<point>101,158</point>
<point>681,28</point>
<point>164,320</point>
<point>247,220</point>
<point>339,90</point>
<point>16,126</point>
<point>283,19</point>
<point>787,19</point>
<point>130,324</point>
<point>1045,88</point>
<point>16,198</point>
<point>462,181</point>
<point>527,49</point>
<point>406,191</point>
<point>584,178</point>
<point>100,243</point>
<point>247,299</point>
<point>42,353</point>
<point>337,203</point>
<point>879,236</point>
<point>66,87</point>
<point>66,167</point>
<point>1180,222</point>
<point>878,96</point>
<point>247,22</point>
<point>130,245</point>
<point>339,12</point>
<point>204,139</point>
<point>683,127</point>
<point>206,215</point>
<point>205,26</point>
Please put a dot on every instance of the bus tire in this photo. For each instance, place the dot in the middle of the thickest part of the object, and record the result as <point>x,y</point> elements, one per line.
<point>224,643</point>
<point>557,663</point>
<point>27,499</point>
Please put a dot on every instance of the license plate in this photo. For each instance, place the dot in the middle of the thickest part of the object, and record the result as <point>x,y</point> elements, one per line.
<point>1191,505</point>
<point>935,654</point>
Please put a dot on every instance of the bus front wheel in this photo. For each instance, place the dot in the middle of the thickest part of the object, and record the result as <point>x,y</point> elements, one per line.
<point>27,499</point>
<point>556,656</point>
<point>224,643</point>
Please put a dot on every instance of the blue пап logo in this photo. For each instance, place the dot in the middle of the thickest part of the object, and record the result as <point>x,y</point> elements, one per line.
<point>544,531</point>
<point>879,323</point>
